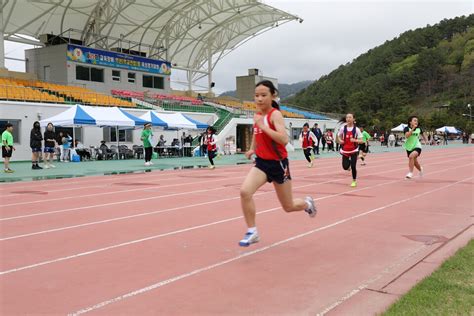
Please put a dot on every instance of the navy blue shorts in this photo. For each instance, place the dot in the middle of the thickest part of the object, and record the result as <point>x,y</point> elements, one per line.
<point>276,170</point>
<point>35,149</point>
<point>49,150</point>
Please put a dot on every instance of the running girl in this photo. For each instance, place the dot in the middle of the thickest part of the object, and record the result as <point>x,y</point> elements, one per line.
<point>271,164</point>
<point>349,136</point>
<point>413,145</point>
<point>211,146</point>
<point>364,147</point>
<point>308,141</point>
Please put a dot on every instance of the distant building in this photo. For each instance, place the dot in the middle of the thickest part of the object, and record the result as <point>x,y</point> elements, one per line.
<point>246,84</point>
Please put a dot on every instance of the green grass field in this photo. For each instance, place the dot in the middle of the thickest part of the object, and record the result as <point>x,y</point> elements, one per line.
<point>448,291</point>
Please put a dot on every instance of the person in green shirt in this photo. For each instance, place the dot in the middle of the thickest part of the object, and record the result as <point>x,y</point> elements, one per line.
<point>7,147</point>
<point>364,147</point>
<point>413,145</point>
<point>147,133</point>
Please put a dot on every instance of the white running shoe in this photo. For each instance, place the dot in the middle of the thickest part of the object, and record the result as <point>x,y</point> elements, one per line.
<point>310,165</point>
<point>409,175</point>
<point>362,163</point>
<point>46,167</point>
<point>421,173</point>
<point>212,167</point>
<point>52,166</point>
<point>311,209</point>
<point>147,164</point>
<point>249,238</point>
<point>151,162</point>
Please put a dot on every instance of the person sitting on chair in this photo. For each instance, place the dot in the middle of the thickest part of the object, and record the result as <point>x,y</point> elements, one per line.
<point>104,151</point>
<point>82,151</point>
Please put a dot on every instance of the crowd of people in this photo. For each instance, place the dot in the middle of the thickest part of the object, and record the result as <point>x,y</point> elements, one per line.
<point>54,144</point>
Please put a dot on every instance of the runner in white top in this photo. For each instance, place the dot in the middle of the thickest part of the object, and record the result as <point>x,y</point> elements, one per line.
<point>349,136</point>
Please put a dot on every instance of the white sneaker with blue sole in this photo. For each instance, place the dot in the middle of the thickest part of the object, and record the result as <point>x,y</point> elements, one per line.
<point>249,238</point>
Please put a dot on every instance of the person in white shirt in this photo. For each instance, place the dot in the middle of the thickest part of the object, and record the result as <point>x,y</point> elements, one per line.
<point>391,140</point>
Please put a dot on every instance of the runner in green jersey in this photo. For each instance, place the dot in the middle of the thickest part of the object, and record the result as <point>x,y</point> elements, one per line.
<point>413,145</point>
<point>364,147</point>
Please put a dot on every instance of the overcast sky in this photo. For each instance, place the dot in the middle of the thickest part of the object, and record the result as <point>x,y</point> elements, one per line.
<point>334,32</point>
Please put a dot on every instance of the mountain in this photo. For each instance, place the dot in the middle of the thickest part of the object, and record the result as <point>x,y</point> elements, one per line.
<point>427,72</point>
<point>286,90</point>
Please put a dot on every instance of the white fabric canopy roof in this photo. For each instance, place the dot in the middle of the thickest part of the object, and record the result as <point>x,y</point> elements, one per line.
<point>448,129</point>
<point>92,115</point>
<point>399,128</point>
<point>184,32</point>
<point>173,120</point>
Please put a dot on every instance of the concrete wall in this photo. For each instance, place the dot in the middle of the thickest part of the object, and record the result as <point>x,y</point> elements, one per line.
<point>246,86</point>
<point>52,56</point>
<point>28,113</point>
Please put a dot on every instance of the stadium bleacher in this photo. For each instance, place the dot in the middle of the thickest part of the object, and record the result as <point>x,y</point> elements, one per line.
<point>305,114</point>
<point>12,90</point>
<point>40,91</point>
<point>250,106</point>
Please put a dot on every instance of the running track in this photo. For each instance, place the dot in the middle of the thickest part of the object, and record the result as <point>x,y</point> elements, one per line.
<point>166,242</point>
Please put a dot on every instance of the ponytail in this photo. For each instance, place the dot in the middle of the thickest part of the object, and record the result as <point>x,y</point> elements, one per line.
<point>275,105</point>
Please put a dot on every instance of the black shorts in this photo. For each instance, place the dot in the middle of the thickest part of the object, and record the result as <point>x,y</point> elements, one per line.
<point>7,153</point>
<point>211,154</point>
<point>364,148</point>
<point>416,149</point>
<point>276,170</point>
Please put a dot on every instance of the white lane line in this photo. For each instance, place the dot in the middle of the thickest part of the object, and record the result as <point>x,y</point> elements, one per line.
<point>224,262</point>
<point>183,230</point>
<point>94,179</point>
<point>153,186</point>
<point>134,200</point>
<point>175,194</point>
<point>112,203</point>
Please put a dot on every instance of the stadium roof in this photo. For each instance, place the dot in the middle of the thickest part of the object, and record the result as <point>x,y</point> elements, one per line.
<point>181,31</point>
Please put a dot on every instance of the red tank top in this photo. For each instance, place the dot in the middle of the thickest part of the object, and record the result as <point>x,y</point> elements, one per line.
<point>265,147</point>
<point>349,147</point>
<point>307,140</point>
<point>210,140</point>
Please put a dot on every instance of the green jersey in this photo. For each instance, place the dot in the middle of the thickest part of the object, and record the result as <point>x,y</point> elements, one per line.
<point>365,136</point>
<point>7,137</point>
<point>413,141</point>
<point>146,133</point>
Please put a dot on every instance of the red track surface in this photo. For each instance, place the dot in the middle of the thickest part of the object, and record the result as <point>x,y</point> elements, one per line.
<point>166,243</point>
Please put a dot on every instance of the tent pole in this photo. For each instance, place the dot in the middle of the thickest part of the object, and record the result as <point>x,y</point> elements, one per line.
<point>117,139</point>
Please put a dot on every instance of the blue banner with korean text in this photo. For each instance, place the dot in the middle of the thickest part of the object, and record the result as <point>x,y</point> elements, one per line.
<point>98,57</point>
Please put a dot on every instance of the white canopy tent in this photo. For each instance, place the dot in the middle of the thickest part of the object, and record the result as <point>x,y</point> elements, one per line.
<point>448,130</point>
<point>173,120</point>
<point>399,128</point>
<point>80,115</point>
